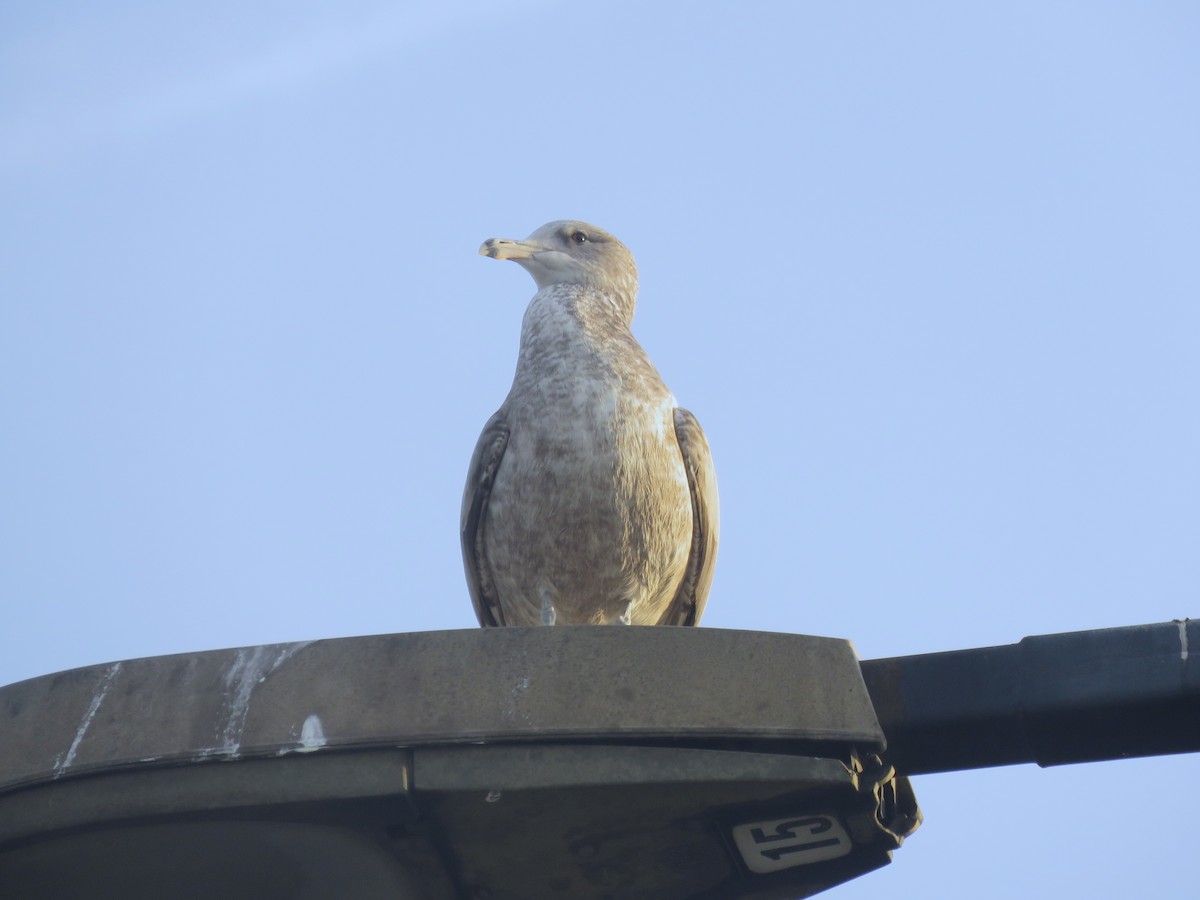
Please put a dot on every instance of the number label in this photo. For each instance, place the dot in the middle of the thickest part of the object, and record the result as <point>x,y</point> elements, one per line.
<point>785,843</point>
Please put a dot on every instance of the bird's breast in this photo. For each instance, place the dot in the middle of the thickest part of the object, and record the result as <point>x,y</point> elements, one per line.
<point>592,495</point>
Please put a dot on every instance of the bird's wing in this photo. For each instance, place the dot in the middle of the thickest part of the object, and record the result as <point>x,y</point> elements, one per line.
<point>480,478</point>
<point>688,605</point>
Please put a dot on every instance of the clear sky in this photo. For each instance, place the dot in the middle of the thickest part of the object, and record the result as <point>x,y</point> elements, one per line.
<point>926,272</point>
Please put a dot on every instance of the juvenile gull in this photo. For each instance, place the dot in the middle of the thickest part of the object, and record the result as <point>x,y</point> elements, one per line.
<point>591,497</point>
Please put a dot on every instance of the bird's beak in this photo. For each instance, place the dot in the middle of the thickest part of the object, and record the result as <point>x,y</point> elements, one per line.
<point>506,248</point>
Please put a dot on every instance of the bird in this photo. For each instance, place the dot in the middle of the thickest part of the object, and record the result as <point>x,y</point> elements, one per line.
<point>591,497</point>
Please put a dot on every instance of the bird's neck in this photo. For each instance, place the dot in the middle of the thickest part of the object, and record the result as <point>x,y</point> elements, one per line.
<point>576,332</point>
<point>569,311</point>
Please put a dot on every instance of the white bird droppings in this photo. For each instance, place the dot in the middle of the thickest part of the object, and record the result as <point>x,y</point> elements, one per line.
<point>251,666</point>
<point>312,735</point>
<point>65,761</point>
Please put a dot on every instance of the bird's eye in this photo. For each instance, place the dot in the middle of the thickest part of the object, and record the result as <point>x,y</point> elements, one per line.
<point>579,237</point>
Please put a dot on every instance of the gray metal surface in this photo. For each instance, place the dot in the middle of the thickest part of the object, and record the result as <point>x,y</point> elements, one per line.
<point>506,763</point>
<point>634,822</point>
<point>562,683</point>
<point>206,860</point>
<point>503,823</point>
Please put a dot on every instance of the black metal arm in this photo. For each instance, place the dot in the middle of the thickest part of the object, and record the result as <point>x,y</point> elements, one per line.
<point>1053,699</point>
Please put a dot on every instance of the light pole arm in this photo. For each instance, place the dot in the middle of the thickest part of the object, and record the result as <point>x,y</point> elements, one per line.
<point>1083,696</point>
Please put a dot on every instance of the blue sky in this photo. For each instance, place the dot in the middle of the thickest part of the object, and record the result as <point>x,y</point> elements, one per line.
<point>927,274</point>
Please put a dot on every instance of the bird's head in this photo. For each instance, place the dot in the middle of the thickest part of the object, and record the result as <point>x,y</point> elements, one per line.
<point>571,252</point>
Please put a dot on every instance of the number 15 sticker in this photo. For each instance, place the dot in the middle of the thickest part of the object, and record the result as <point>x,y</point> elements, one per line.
<point>785,843</point>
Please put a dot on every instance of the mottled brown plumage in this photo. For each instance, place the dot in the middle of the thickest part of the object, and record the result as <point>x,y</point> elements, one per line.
<point>591,497</point>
